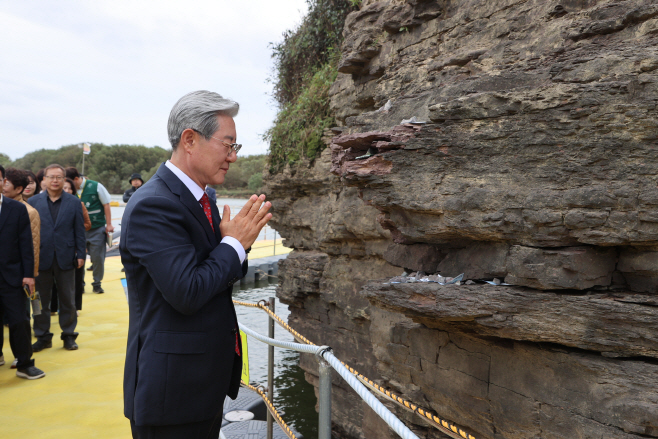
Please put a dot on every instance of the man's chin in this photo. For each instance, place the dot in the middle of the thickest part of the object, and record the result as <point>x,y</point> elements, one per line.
<point>218,178</point>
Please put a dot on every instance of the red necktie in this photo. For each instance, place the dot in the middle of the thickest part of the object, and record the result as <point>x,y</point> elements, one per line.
<point>205,203</point>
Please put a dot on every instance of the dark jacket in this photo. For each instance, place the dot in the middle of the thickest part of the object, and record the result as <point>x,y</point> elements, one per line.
<point>16,256</point>
<point>64,239</point>
<point>180,359</point>
<point>127,194</point>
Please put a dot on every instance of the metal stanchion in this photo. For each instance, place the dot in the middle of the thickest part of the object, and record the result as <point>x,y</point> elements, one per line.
<point>270,371</point>
<point>324,421</point>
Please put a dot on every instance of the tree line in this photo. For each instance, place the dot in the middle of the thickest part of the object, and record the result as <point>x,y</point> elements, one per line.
<point>112,165</point>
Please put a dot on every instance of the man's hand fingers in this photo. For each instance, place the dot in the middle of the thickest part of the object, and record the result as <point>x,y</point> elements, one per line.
<point>247,207</point>
<point>30,283</point>
<point>256,206</point>
<point>262,212</point>
<point>226,214</point>
<point>264,221</point>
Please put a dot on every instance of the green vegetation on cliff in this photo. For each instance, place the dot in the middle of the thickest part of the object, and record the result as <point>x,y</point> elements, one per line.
<point>305,63</point>
<point>112,165</point>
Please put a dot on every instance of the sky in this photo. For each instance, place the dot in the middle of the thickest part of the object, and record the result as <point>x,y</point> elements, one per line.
<point>110,71</point>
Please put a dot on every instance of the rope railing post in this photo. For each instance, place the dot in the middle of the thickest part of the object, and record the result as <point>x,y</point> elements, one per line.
<point>270,371</point>
<point>324,400</point>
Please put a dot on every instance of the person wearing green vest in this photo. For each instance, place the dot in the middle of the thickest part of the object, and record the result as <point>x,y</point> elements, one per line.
<point>97,201</point>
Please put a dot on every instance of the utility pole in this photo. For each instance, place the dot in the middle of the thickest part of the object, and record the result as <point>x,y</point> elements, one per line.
<point>86,149</point>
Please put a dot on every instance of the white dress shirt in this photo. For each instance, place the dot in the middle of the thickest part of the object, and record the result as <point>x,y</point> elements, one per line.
<point>197,193</point>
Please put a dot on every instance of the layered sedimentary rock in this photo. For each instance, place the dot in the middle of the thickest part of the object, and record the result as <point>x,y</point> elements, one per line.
<point>502,139</point>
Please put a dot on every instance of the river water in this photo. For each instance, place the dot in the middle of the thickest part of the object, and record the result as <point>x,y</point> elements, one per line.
<point>293,396</point>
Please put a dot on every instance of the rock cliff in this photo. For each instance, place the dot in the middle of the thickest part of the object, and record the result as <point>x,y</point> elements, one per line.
<point>509,139</point>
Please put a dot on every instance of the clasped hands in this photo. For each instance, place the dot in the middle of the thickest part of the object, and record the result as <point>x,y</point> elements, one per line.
<point>248,223</point>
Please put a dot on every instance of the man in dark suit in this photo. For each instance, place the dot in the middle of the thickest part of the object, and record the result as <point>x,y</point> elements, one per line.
<point>62,251</point>
<point>16,270</point>
<point>181,260</point>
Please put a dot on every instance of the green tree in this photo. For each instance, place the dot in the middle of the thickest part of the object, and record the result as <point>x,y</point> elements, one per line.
<point>111,165</point>
<point>5,161</point>
<point>255,182</point>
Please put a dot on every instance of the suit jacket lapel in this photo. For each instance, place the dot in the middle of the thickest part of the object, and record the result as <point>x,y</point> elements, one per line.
<point>62,209</point>
<point>44,213</point>
<point>216,219</point>
<point>188,200</point>
<point>177,187</point>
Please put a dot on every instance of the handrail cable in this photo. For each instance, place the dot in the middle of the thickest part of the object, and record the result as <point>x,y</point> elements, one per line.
<point>323,351</point>
<point>442,425</point>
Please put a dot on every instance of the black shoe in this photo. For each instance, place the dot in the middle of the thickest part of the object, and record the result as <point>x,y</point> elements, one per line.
<point>98,290</point>
<point>30,373</point>
<point>90,268</point>
<point>70,344</point>
<point>40,345</point>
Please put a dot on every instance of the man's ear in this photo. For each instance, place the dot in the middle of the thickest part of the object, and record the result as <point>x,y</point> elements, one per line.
<point>187,140</point>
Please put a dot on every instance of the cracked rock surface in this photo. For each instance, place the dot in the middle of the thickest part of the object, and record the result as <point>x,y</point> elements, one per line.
<point>533,159</point>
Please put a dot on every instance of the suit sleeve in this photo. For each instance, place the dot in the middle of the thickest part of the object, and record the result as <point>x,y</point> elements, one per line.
<point>79,229</point>
<point>159,237</point>
<point>25,239</point>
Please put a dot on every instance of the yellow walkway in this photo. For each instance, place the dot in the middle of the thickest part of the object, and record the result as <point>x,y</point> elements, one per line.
<point>81,395</point>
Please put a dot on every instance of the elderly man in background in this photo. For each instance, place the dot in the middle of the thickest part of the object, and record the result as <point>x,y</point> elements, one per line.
<point>181,259</point>
<point>62,250</point>
<point>97,201</point>
<point>16,272</point>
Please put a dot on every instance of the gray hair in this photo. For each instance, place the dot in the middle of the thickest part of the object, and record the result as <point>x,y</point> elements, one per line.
<point>54,166</point>
<point>198,110</point>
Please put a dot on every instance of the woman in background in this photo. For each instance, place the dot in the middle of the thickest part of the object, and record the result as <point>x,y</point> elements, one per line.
<point>40,182</point>
<point>32,188</point>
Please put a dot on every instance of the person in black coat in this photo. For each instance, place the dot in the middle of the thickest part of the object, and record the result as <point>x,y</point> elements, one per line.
<point>184,354</point>
<point>16,271</point>
<point>62,251</point>
<point>136,182</point>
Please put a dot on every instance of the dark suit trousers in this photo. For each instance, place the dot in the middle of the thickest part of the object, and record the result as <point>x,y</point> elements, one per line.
<point>68,318</point>
<point>198,430</point>
<point>12,307</point>
<point>79,286</point>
